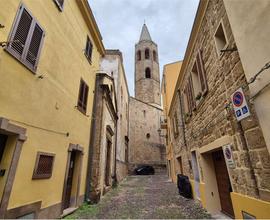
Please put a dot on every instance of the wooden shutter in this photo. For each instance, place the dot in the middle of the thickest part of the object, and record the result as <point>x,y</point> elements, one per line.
<point>187,98</point>
<point>21,32</point>
<point>192,98</point>
<point>201,72</point>
<point>33,51</point>
<point>88,49</point>
<point>83,96</point>
<point>26,39</point>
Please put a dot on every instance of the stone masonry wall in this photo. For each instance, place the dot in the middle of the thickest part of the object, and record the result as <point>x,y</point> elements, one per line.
<point>211,120</point>
<point>144,119</point>
<point>147,90</point>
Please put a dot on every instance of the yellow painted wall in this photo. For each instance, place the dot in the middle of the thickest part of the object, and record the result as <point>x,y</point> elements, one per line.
<point>170,75</point>
<point>50,102</point>
<point>258,208</point>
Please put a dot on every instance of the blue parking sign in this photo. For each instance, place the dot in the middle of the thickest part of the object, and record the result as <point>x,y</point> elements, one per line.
<point>238,113</point>
<point>245,110</point>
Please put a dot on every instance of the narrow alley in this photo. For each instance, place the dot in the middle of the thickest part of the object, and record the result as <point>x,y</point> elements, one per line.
<point>143,197</point>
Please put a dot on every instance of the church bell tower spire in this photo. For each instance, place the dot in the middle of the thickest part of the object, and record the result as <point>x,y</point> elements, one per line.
<point>147,79</point>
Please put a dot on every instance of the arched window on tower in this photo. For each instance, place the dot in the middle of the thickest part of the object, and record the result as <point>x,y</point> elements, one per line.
<point>155,55</point>
<point>147,73</point>
<point>139,55</point>
<point>147,54</point>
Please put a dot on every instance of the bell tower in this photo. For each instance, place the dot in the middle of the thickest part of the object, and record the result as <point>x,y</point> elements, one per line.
<point>147,81</point>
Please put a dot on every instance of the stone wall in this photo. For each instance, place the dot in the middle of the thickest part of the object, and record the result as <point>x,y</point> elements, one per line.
<point>147,89</point>
<point>104,130</point>
<point>211,121</point>
<point>112,63</point>
<point>146,146</point>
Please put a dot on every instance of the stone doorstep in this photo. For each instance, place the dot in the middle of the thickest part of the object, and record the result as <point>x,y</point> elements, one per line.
<point>68,211</point>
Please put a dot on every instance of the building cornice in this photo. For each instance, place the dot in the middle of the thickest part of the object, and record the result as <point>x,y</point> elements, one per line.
<point>92,25</point>
<point>190,47</point>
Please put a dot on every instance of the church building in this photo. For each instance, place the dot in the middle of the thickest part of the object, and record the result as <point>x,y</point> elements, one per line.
<point>146,143</point>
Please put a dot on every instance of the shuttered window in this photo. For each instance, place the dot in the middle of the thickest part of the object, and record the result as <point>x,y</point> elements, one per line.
<point>60,4</point>
<point>175,125</point>
<point>88,49</point>
<point>26,39</point>
<point>189,102</point>
<point>44,165</point>
<point>83,96</point>
<point>201,72</point>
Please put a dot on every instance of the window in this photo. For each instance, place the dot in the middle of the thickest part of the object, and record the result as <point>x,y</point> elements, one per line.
<point>44,166</point>
<point>139,55</point>
<point>175,125</point>
<point>147,54</point>
<point>83,95</point>
<point>88,49</point>
<point>199,77</point>
<point>147,73</point>
<point>60,4</point>
<point>26,39</point>
<point>155,55</point>
<point>189,103</point>
<point>220,38</point>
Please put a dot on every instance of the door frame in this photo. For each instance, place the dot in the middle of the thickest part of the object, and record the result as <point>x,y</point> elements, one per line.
<point>9,129</point>
<point>79,149</point>
<point>195,165</point>
<point>227,171</point>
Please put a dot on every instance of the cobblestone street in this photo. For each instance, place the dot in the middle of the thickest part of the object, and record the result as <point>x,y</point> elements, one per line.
<point>141,197</point>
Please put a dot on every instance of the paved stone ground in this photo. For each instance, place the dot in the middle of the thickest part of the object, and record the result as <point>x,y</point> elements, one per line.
<point>143,197</point>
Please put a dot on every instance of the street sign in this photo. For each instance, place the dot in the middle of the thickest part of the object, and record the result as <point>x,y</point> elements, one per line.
<point>240,106</point>
<point>227,151</point>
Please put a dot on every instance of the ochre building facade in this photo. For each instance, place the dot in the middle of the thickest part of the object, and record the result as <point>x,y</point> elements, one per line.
<point>47,70</point>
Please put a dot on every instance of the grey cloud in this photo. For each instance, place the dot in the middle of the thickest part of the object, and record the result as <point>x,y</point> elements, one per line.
<point>169,23</point>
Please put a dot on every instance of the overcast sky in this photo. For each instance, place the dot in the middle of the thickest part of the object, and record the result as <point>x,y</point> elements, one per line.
<point>169,23</point>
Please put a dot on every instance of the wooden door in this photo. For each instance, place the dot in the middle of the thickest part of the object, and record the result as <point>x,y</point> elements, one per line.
<point>3,140</point>
<point>69,179</point>
<point>108,164</point>
<point>223,182</point>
